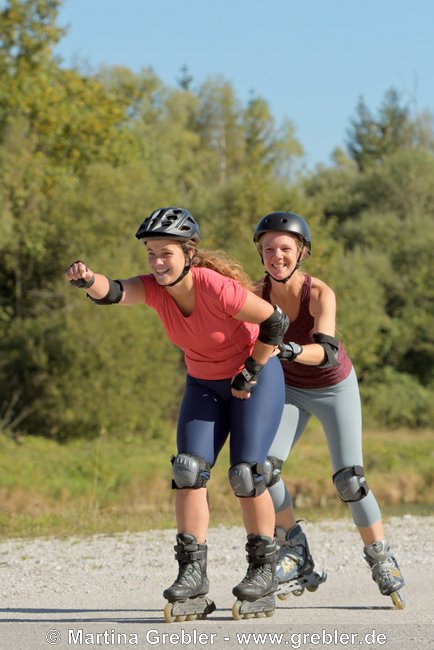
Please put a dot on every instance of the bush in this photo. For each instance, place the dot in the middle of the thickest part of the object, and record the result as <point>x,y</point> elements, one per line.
<point>397,400</point>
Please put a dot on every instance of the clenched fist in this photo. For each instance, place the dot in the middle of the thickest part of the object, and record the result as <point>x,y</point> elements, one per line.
<point>80,275</point>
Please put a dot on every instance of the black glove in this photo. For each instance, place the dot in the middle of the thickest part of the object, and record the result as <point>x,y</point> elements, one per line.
<point>289,351</point>
<point>82,283</point>
<point>247,378</point>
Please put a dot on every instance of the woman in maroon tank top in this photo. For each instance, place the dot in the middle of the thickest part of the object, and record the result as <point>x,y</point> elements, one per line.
<point>319,381</point>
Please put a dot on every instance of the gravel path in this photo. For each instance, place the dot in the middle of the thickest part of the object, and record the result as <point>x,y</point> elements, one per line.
<point>105,591</point>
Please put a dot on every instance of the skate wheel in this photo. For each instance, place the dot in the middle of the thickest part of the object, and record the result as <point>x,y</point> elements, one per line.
<point>192,617</point>
<point>168,613</point>
<point>180,618</point>
<point>269,613</point>
<point>298,592</point>
<point>398,600</point>
<point>282,596</point>
<point>312,587</point>
<point>260,615</point>
<point>236,611</point>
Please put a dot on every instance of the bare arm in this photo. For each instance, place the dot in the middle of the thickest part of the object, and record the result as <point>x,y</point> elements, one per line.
<point>256,310</point>
<point>133,291</point>
<point>323,309</point>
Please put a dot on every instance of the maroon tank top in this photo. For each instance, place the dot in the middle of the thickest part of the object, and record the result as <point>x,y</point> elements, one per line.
<point>301,330</point>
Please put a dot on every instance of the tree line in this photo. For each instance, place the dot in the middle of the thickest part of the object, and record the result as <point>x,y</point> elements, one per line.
<point>86,156</point>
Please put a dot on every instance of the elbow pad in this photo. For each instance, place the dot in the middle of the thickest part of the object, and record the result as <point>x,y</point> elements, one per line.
<point>272,329</point>
<point>331,349</point>
<point>113,295</point>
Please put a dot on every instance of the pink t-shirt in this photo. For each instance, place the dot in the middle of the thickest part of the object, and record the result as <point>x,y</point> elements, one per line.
<point>215,344</point>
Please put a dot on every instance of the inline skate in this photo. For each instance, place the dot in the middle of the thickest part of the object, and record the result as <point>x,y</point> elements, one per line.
<point>295,564</point>
<point>385,571</point>
<point>187,596</point>
<point>255,593</point>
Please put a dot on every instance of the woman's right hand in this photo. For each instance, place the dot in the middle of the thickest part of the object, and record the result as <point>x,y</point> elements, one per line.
<point>80,275</point>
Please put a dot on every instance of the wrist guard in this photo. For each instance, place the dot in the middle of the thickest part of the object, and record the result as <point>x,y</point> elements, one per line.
<point>248,377</point>
<point>289,351</point>
<point>82,283</point>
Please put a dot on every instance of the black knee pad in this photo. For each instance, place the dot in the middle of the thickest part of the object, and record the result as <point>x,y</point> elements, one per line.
<point>247,479</point>
<point>272,470</point>
<point>350,483</point>
<point>189,471</point>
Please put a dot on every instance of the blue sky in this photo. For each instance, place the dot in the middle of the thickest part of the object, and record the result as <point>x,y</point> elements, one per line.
<point>310,59</point>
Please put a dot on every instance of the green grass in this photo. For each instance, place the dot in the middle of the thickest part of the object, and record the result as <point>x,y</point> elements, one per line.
<point>108,486</point>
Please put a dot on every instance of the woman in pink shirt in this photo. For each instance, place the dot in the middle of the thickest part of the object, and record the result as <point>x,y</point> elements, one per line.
<point>233,384</point>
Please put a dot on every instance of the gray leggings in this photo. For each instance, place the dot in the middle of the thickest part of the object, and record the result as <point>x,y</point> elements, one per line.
<point>339,411</point>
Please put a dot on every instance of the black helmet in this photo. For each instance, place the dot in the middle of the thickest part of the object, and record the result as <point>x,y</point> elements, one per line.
<point>284,222</point>
<point>176,223</point>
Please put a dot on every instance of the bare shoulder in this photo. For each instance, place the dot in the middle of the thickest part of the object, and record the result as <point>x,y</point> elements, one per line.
<point>321,294</point>
<point>321,286</point>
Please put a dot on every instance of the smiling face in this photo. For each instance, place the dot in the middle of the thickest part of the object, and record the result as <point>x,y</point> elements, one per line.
<point>280,253</point>
<point>166,259</point>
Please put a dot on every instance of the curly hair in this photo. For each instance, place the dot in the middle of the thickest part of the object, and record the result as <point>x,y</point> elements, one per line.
<point>221,262</point>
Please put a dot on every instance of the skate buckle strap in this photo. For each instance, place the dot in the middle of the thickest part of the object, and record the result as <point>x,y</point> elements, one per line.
<point>260,561</point>
<point>183,555</point>
<point>260,555</point>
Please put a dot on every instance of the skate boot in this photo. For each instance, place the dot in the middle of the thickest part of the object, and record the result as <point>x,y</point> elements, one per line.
<point>385,571</point>
<point>187,599</point>
<point>295,565</point>
<point>255,593</point>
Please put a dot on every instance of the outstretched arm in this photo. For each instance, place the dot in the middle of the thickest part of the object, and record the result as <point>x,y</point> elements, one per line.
<point>104,290</point>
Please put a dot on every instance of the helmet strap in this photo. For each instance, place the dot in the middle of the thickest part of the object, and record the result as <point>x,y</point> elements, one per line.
<point>185,270</point>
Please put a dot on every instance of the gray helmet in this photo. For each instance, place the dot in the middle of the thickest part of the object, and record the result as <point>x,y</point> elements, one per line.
<point>284,222</point>
<point>174,223</point>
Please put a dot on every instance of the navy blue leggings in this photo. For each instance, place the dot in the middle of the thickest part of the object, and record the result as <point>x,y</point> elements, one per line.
<point>209,412</point>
